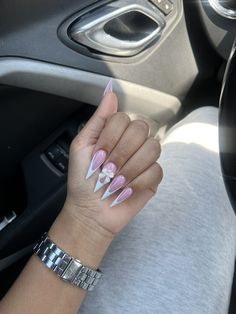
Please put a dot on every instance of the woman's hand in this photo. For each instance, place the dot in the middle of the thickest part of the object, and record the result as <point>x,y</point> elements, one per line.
<point>127,156</point>
<point>86,225</point>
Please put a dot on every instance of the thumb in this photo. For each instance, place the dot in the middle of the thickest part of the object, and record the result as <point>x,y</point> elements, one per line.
<point>91,132</point>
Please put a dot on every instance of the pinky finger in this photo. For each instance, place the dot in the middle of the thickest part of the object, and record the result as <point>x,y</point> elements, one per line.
<point>149,179</point>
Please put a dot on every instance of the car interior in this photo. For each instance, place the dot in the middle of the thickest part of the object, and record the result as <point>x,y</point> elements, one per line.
<point>165,57</point>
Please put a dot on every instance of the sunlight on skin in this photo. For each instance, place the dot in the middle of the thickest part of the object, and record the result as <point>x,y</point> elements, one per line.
<point>196,133</point>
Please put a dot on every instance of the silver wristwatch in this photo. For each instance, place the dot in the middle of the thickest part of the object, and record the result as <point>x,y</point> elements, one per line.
<point>65,266</point>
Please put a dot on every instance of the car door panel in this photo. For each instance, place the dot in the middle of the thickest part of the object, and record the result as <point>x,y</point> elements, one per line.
<point>50,86</point>
<point>37,38</point>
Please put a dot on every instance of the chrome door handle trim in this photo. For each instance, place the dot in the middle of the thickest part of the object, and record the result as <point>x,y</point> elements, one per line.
<point>228,13</point>
<point>89,30</point>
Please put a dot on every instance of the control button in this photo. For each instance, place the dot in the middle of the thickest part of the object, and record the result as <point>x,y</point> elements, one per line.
<point>53,152</point>
<point>165,6</point>
<point>61,163</point>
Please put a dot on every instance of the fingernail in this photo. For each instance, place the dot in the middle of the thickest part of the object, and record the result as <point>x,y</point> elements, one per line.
<point>105,176</point>
<point>108,88</point>
<point>98,159</point>
<point>123,196</point>
<point>115,185</point>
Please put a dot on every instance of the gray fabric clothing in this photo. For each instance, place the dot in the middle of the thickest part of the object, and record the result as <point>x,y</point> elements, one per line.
<point>177,256</point>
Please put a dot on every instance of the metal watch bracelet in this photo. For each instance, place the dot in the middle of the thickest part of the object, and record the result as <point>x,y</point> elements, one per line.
<point>65,266</point>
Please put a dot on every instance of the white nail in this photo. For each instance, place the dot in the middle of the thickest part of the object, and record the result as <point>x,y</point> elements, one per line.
<point>109,88</point>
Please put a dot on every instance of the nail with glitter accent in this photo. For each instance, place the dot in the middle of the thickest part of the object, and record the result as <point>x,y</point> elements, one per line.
<point>117,183</point>
<point>108,88</point>
<point>98,159</point>
<point>123,196</point>
<point>108,172</point>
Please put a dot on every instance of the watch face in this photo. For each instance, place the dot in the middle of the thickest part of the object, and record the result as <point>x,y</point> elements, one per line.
<point>72,270</point>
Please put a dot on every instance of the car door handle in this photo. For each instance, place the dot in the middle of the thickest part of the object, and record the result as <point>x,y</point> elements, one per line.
<point>119,28</point>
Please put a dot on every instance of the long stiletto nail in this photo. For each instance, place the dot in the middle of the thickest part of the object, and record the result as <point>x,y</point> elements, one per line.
<point>123,196</point>
<point>105,176</point>
<point>117,183</point>
<point>98,159</point>
<point>108,88</point>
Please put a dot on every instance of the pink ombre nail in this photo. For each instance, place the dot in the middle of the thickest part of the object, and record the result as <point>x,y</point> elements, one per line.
<point>115,185</point>
<point>108,172</point>
<point>98,159</point>
<point>123,196</point>
<point>108,88</point>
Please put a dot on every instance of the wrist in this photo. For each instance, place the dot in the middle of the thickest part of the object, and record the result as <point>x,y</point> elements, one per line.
<point>80,237</point>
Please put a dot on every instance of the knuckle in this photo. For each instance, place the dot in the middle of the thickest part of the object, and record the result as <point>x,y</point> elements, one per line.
<point>159,171</point>
<point>120,157</point>
<point>121,117</point>
<point>140,126</point>
<point>76,144</point>
<point>153,189</point>
<point>154,147</point>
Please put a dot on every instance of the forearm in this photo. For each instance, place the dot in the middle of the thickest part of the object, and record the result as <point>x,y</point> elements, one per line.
<point>38,289</point>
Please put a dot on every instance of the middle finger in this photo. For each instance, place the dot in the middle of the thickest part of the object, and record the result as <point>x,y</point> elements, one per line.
<point>132,139</point>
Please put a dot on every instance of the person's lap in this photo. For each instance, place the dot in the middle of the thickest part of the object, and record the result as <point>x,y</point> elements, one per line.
<point>177,255</point>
